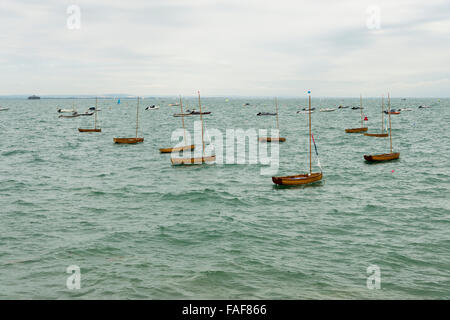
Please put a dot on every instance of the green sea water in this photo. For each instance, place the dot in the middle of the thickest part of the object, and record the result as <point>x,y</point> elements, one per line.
<point>140,228</point>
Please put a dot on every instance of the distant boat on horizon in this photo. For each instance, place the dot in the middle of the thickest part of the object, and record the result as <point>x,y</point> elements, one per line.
<point>34,97</point>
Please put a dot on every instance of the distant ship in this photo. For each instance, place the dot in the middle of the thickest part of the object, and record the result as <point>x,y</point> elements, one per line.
<point>33,97</point>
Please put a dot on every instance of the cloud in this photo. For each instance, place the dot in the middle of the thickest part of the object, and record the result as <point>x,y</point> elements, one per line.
<point>225,47</point>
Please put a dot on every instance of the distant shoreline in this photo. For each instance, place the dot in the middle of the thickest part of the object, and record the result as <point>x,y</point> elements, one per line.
<point>25,97</point>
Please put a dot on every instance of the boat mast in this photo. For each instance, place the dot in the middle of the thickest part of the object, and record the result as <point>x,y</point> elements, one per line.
<point>201,119</point>
<point>310,162</point>
<point>390,128</point>
<point>95,117</point>
<point>382,114</point>
<point>137,117</point>
<point>360,106</point>
<point>182,119</point>
<point>276,106</point>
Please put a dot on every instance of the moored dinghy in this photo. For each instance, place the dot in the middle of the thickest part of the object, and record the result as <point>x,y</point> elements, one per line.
<point>302,179</point>
<point>66,110</point>
<point>73,115</point>
<point>362,129</point>
<point>382,134</point>
<point>266,114</point>
<point>135,139</point>
<point>327,110</point>
<point>382,157</point>
<point>385,156</point>
<point>298,179</point>
<point>95,129</point>
<point>182,148</point>
<point>274,139</point>
<point>196,160</point>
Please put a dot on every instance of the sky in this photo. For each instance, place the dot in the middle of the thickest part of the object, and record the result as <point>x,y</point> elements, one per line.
<point>225,47</point>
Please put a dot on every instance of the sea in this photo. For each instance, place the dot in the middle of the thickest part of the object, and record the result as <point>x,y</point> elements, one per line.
<point>84,218</point>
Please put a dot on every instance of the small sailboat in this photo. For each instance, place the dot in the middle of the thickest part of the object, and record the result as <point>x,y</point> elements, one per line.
<point>86,113</point>
<point>306,178</point>
<point>307,109</point>
<point>393,111</point>
<point>195,112</point>
<point>191,113</point>
<point>177,149</point>
<point>362,129</point>
<point>66,110</point>
<point>72,111</point>
<point>198,160</point>
<point>270,139</point>
<point>73,115</point>
<point>183,114</point>
<point>266,114</point>
<point>95,129</point>
<point>385,156</point>
<point>135,139</point>
<point>382,134</point>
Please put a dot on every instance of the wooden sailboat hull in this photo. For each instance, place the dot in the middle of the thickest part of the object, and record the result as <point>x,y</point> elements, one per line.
<point>379,135</point>
<point>128,140</point>
<point>182,114</point>
<point>196,113</point>
<point>356,130</point>
<point>382,157</point>
<point>199,160</point>
<point>269,139</point>
<point>89,130</point>
<point>72,116</point>
<point>298,179</point>
<point>170,150</point>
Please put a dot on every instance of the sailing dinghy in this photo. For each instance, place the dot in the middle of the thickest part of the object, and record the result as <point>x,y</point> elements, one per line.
<point>195,160</point>
<point>274,139</point>
<point>95,129</point>
<point>306,178</point>
<point>185,147</point>
<point>382,134</point>
<point>385,156</point>
<point>135,139</point>
<point>362,129</point>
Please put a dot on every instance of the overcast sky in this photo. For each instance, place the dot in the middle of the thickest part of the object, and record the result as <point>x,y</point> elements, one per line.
<point>226,47</point>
